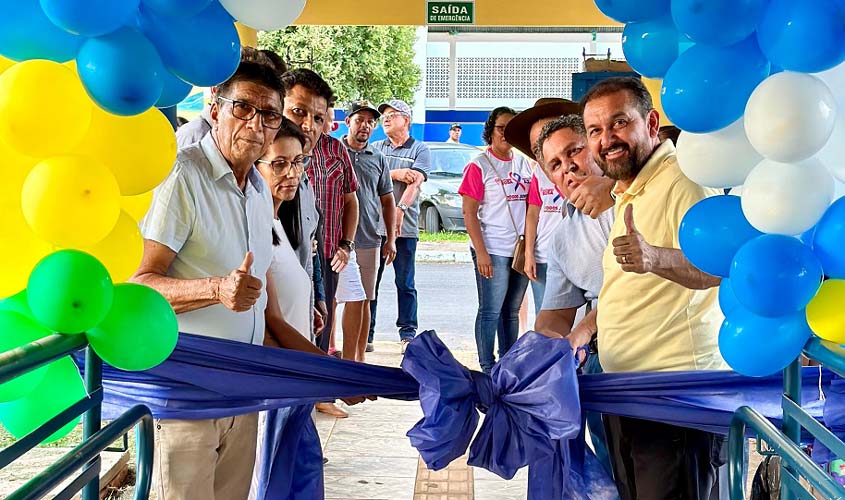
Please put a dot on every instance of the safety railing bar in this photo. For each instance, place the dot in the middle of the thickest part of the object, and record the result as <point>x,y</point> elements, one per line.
<point>90,472</point>
<point>53,476</point>
<point>30,356</point>
<point>791,483</point>
<point>789,452</point>
<point>829,354</point>
<point>144,452</point>
<point>34,438</point>
<point>815,428</point>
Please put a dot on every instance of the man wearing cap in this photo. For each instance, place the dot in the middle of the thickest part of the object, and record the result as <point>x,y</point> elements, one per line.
<point>409,161</point>
<point>575,247</point>
<point>375,205</point>
<point>454,133</point>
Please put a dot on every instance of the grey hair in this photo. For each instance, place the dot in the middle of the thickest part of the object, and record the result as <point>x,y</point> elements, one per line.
<point>572,122</point>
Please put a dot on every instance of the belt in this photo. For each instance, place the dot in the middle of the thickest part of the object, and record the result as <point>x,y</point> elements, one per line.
<point>594,344</point>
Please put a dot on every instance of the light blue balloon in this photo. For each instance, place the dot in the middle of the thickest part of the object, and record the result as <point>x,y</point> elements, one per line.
<point>717,22</point>
<point>174,91</point>
<point>203,50</point>
<point>707,87</point>
<point>651,47</point>
<point>803,36</point>
<point>757,346</point>
<point>121,71</point>
<point>89,17</point>
<point>829,240</point>
<point>631,11</point>
<point>712,231</point>
<point>775,275</point>
<point>176,8</point>
<point>727,299</point>
<point>26,33</point>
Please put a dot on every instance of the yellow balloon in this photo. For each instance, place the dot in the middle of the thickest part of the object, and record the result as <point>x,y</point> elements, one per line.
<point>121,250</point>
<point>14,167</point>
<point>20,249</point>
<point>825,313</point>
<point>44,110</point>
<point>139,150</point>
<point>71,201</point>
<point>137,206</point>
<point>6,64</point>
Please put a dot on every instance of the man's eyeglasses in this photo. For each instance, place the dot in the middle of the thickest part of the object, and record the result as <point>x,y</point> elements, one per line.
<point>389,116</point>
<point>284,167</point>
<point>246,111</point>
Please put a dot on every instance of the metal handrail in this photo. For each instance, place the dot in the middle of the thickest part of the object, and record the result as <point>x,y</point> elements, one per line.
<point>86,455</point>
<point>829,354</point>
<point>794,460</point>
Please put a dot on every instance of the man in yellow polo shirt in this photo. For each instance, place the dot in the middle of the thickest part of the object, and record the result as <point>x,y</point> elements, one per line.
<point>657,311</point>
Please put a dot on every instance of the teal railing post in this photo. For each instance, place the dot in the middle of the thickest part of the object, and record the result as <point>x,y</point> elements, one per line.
<point>92,421</point>
<point>791,427</point>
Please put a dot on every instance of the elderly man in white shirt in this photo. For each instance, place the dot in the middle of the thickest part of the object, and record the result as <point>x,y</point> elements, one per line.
<point>207,249</point>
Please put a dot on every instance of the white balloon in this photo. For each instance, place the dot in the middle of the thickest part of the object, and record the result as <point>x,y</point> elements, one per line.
<point>787,198</point>
<point>790,116</point>
<point>833,152</point>
<point>720,159</point>
<point>264,15</point>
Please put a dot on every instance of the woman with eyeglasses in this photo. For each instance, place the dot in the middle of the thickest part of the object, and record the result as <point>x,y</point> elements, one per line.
<point>495,192</point>
<point>282,167</point>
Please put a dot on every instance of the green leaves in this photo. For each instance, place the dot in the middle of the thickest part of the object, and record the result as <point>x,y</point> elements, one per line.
<point>359,62</point>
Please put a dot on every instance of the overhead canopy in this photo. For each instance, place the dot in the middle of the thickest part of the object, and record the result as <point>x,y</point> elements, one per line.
<point>487,13</point>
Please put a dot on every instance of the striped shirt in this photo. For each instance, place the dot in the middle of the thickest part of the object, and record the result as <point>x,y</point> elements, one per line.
<point>332,177</point>
<point>411,154</point>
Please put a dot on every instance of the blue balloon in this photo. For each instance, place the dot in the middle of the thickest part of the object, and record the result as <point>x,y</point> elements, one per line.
<point>803,36</point>
<point>203,50</point>
<point>121,71</point>
<point>89,17</point>
<point>717,22</point>
<point>177,8</point>
<point>727,299</point>
<point>775,275</point>
<point>707,88</point>
<point>26,33</point>
<point>651,47</point>
<point>174,91</point>
<point>712,231</point>
<point>632,11</point>
<point>829,240</point>
<point>757,346</point>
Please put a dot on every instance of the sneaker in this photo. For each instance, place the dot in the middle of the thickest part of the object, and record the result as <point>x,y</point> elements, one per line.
<point>404,345</point>
<point>370,347</point>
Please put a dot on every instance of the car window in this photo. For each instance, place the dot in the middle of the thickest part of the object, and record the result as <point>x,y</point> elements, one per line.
<point>450,161</point>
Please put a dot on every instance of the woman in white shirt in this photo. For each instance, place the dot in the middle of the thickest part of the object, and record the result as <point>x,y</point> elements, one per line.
<point>494,191</point>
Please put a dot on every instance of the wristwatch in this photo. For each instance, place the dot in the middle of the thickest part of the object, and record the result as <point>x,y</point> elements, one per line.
<point>348,245</point>
<point>403,207</point>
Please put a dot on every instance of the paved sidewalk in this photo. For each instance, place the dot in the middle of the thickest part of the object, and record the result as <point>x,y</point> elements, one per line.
<point>371,458</point>
<point>443,251</point>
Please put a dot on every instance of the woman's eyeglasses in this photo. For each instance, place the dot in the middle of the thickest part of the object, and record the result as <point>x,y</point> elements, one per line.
<point>284,167</point>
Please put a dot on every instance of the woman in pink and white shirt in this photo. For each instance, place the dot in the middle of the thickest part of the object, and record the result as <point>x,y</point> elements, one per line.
<point>545,204</point>
<point>495,192</point>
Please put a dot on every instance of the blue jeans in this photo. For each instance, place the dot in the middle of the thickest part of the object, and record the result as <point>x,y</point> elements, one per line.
<point>404,266</point>
<point>499,299</point>
<point>538,288</point>
<point>594,423</point>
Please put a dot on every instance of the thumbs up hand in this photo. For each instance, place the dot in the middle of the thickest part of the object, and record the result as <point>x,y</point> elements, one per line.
<point>632,251</point>
<point>240,290</point>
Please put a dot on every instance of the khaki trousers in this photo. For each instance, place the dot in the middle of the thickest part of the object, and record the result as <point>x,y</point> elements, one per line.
<point>205,459</point>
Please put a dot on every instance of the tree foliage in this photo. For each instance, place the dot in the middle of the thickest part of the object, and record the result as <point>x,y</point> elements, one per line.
<point>359,62</point>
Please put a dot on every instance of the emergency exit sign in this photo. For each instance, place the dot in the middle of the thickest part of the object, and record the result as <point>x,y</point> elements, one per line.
<point>454,12</point>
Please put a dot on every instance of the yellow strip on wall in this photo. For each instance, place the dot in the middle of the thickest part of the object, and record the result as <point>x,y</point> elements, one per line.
<point>488,13</point>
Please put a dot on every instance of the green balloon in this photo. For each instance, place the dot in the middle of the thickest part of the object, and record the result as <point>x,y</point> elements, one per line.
<point>17,303</point>
<point>139,332</point>
<point>62,387</point>
<point>69,291</point>
<point>17,330</point>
